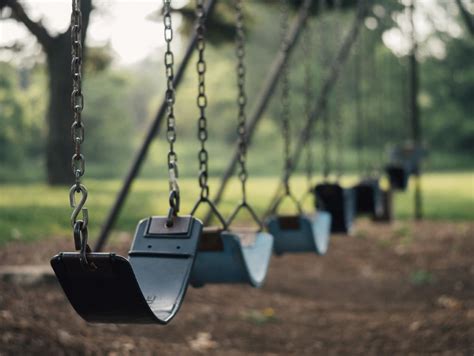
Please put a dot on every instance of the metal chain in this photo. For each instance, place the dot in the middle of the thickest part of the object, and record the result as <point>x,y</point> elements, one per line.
<point>307,51</point>
<point>202,99</point>
<point>285,91</point>
<point>242,96</point>
<point>338,114</point>
<point>77,128</point>
<point>77,98</point>
<point>78,162</point>
<point>358,101</point>
<point>174,197</point>
<point>325,116</point>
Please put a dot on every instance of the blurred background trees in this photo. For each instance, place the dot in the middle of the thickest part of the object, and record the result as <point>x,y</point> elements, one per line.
<point>122,98</point>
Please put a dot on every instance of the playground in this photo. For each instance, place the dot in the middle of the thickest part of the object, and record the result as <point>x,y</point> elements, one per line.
<point>262,178</point>
<point>399,289</point>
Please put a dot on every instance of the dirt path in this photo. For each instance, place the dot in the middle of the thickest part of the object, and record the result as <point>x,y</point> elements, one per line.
<point>399,289</point>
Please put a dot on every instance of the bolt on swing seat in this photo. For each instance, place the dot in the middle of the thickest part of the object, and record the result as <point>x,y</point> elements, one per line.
<point>299,233</point>
<point>339,202</point>
<point>368,197</point>
<point>232,256</point>
<point>149,287</point>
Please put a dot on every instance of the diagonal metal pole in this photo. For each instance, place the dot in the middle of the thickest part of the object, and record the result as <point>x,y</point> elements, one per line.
<point>265,95</point>
<point>326,89</point>
<point>151,133</point>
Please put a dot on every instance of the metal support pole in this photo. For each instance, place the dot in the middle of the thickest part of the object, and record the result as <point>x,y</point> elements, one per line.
<point>327,87</point>
<point>415,112</point>
<point>265,94</point>
<point>151,133</point>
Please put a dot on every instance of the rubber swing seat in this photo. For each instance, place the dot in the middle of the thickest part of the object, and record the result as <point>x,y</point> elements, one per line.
<point>300,233</point>
<point>223,258</point>
<point>398,176</point>
<point>368,196</point>
<point>339,202</point>
<point>149,287</point>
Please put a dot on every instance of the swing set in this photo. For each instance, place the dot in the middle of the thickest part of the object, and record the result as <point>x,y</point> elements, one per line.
<point>170,252</point>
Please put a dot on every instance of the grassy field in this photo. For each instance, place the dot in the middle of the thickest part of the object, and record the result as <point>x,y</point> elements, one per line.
<point>33,211</point>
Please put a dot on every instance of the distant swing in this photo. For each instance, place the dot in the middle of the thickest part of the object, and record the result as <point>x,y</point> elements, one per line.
<point>298,232</point>
<point>222,255</point>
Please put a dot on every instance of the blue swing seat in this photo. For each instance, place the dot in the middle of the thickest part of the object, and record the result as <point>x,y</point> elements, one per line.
<point>398,176</point>
<point>368,197</point>
<point>339,202</point>
<point>300,233</point>
<point>223,258</point>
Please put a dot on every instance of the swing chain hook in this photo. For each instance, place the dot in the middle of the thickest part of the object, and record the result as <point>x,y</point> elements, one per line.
<point>80,240</point>
<point>174,196</point>
<point>78,207</point>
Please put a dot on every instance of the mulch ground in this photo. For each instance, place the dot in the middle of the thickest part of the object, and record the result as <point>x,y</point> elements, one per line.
<point>404,288</point>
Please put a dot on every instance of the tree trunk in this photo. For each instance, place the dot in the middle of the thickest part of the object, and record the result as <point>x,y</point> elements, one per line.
<point>59,146</point>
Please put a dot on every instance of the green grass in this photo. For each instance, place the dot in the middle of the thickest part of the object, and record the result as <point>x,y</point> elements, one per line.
<point>33,211</point>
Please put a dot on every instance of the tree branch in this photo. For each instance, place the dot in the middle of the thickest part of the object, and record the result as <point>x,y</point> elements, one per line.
<point>467,17</point>
<point>19,14</point>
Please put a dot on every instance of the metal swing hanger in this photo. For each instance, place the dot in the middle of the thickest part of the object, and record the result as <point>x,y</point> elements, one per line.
<point>329,133</point>
<point>308,94</point>
<point>285,118</point>
<point>294,233</point>
<point>331,197</point>
<point>201,101</point>
<point>222,258</point>
<point>242,119</point>
<point>150,285</point>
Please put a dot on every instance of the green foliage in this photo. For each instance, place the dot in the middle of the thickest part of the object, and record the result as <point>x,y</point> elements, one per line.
<point>108,119</point>
<point>34,211</point>
<point>448,106</point>
<point>120,103</point>
<point>20,134</point>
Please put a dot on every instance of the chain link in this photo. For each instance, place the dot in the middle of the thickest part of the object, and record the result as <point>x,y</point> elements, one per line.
<point>339,134</point>
<point>77,99</point>
<point>174,198</point>
<point>285,91</point>
<point>358,101</point>
<point>78,163</point>
<point>242,96</point>
<point>326,133</point>
<point>202,99</point>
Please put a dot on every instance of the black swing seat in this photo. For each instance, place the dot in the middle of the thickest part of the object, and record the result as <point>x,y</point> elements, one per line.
<point>223,257</point>
<point>339,202</point>
<point>398,176</point>
<point>368,196</point>
<point>409,156</point>
<point>386,214</point>
<point>149,287</point>
<point>300,233</point>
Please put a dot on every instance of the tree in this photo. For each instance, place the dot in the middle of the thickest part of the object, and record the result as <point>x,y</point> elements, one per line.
<point>58,57</point>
